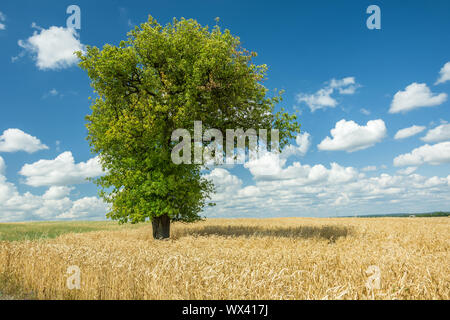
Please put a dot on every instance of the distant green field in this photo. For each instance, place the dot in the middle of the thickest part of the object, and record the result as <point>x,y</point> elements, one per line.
<point>45,230</point>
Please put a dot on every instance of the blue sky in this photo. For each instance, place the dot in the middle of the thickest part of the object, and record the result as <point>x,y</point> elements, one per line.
<point>356,86</point>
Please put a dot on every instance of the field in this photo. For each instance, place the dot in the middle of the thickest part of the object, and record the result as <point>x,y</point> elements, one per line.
<point>48,230</point>
<point>290,258</point>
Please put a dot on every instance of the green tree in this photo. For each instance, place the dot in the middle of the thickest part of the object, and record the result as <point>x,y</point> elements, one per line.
<point>159,80</point>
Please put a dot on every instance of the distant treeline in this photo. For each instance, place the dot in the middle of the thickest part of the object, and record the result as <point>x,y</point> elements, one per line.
<point>429,214</point>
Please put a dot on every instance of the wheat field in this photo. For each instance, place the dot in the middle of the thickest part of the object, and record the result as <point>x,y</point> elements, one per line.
<point>289,258</point>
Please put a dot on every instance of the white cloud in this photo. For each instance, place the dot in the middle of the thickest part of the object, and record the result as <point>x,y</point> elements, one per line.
<point>304,190</point>
<point>349,136</point>
<point>365,111</point>
<point>85,208</point>
<point>416,95</point>
<point>408,132</point>
<point>14,140</point>
<point>226,179</point>
<point>53,48</point>
<point>369,168</point>
<point>52,93</point>
<point>24,207</point>
<point>224,182</point>
<point>435,182</point>
<point>270,167</point>
<point>323,99</point>
<point>2,19</point>
<point>444,74</point>
<point>438,134</point>
<point>345,86</point>
<point>432,154</point>
<point>319,100</point>
<point>57,192</point>
<point>61,171</point>
<point>407,171</point>
<point>52,205</point>
<point>267,165</point>
<point>303,141</point>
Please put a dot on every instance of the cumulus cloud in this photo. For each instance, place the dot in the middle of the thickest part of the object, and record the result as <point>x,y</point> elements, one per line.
<point>26,207</point>
<point>57,193</point>
<point>224,182</point>
<point>431,154</point>
<point>85,208</point>
<point>303,142</point>
<point>271,167</point>
<point>60,171</point>
<point>13,140</point>
<point>444,74</point>
<point>300,189</point>
<point>53,48</point>
<point>408,132</point>
<point>323,97</point>
<point>416,95</point>
<point>438,134</point>
<point>53,204</point>
<point>407,171</point>
<point>369,168</point>
<point>319,100</point>
<point>349,136</point>
<point>344,86</point>
<point>266,166</point>
<point>2,19</point>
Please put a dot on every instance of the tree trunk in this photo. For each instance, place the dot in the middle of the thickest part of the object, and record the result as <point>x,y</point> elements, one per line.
<point>161,227</point>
